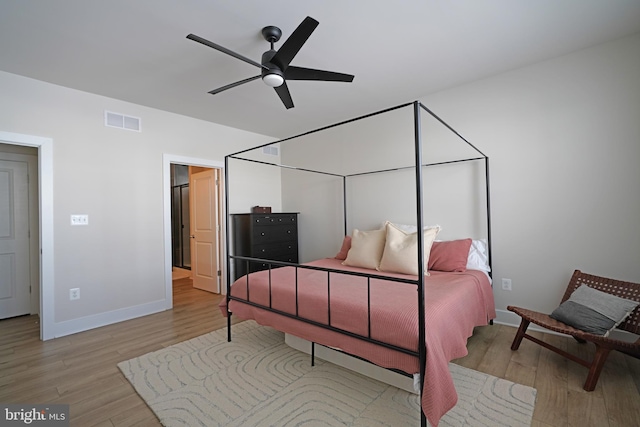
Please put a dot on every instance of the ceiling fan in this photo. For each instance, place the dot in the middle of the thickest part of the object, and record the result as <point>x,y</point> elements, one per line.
<point>275,64</point>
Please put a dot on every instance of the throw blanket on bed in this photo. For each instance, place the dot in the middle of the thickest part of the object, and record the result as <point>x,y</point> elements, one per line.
<point>455,304</point>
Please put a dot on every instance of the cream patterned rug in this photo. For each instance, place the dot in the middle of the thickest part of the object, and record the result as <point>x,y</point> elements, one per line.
<point>257,380</point>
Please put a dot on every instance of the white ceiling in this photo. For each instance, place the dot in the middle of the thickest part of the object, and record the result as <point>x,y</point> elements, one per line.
<point>399,51</point>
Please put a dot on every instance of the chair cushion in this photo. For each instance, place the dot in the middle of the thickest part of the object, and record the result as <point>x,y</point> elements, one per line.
<point>593,311</point>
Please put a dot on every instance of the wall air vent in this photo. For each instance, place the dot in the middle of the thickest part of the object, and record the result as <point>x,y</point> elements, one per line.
<point>270,150</point>
<point>116,120</point>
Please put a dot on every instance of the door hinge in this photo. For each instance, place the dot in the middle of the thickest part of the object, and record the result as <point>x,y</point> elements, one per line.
<point>29,288</point>
<point>219,273</point>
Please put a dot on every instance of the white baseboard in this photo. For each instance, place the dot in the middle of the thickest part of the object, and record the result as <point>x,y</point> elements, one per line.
<point>82,324</point>
<point>509,318</point>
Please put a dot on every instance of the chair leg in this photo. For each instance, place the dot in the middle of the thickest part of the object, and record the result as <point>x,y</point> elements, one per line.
<point>596,367</point>
<point>520,334</point>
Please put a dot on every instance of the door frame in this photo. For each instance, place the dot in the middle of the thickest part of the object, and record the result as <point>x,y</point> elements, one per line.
<point>45,201</point>
<point>167,159</point>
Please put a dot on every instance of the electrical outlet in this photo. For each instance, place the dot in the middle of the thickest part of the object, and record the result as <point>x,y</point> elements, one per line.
<point>506,284</point>
<point>74,294</point>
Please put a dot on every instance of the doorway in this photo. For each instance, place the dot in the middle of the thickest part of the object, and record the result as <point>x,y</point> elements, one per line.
<point>44,205</point>
<point>19,235</point>
<point>204,228</point>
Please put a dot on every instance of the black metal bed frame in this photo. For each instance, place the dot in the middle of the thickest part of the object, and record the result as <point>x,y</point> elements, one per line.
<point>420,353</point>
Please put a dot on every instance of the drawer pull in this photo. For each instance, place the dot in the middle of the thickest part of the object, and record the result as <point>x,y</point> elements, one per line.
<point>262,234</point>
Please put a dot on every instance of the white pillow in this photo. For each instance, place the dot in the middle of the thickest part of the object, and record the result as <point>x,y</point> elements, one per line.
<point>366,248</point>
<point>479,256</point>
<point>401,250</point>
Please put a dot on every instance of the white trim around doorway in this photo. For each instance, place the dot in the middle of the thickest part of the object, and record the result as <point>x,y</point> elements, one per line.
<point>45,183</point>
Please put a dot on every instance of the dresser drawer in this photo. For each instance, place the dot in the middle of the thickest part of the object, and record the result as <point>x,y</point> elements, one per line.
<point>274,233</point>
<point>280,249</point>
<point>257,266</point>
<point>280,219</point>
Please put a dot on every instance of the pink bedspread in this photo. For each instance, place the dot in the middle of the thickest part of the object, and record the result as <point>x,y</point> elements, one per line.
<point>455,304</point>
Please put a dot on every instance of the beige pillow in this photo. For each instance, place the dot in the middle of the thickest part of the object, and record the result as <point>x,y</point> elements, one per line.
<point>400,253</point>
<point>366,249</point>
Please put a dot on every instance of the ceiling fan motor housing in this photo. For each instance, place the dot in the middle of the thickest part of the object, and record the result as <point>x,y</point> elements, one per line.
<point>273,76</point>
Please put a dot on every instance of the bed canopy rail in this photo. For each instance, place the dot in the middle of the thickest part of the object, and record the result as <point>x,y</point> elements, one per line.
<point>418,111</point>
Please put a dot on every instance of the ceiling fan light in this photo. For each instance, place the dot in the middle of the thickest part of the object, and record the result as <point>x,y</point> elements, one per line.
<point>273,80</point>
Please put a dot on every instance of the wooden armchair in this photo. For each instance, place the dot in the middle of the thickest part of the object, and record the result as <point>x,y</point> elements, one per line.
<point>604,345</point>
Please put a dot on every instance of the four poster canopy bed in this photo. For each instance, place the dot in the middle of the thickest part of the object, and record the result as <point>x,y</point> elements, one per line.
<point>399,298</point>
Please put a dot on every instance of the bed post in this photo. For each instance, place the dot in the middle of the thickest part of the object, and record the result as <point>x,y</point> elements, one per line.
<point>227,244</point>
<point>489,248</point>
<point>486,174</point>
<point>344,203</point>
<point>421,303</point>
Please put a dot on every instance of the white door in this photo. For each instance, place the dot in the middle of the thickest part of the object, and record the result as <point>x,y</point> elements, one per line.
<point>204,211</point>
<point>15,295</point>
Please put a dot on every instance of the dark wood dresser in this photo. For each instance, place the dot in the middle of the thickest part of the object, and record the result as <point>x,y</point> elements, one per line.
<point>272,236</point>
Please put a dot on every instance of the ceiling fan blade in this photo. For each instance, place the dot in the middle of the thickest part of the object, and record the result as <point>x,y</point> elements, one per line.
<point>292,45</point>
<point>220,89</point>
<point>300,73</point>
<point>224,50</point>
<point>285,96</point>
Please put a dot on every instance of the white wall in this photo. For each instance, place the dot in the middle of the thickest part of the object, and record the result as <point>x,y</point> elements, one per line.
<point>114,176</point>
<point>254,183</point>
<point>563,137</point>
<point>377,154</point>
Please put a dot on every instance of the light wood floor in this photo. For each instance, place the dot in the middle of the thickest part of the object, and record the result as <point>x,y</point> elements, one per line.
<point>81,370</point>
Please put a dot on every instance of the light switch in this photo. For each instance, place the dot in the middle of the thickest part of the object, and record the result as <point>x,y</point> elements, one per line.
<point>79,219</point>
